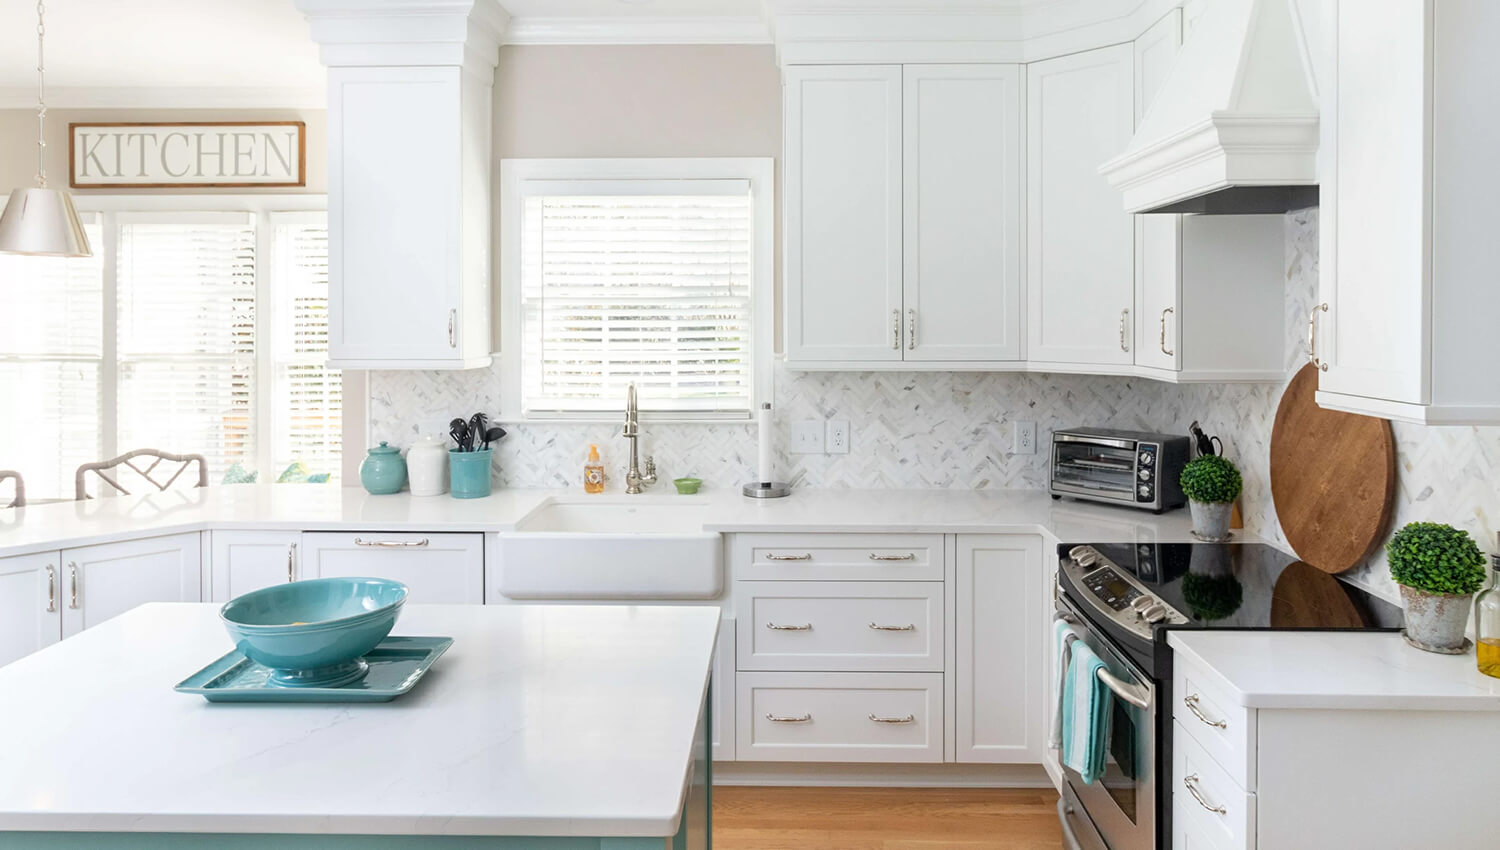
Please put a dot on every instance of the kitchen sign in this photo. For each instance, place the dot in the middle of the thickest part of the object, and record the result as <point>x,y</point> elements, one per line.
<point>208,154</point>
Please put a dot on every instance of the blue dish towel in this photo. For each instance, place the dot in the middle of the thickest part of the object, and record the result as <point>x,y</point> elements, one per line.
<point>1085,711</point>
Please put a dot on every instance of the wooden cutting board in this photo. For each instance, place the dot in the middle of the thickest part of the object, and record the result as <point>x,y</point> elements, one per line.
<point>1333,478</point>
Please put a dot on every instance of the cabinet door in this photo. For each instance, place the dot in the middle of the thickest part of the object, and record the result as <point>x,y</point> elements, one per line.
<point>1158,253</point>
<point>843,213</point>
<point>722,723</point>
<point>436,568</point>
<point>242,561</point>
<point>394,192</point>
<point>1081,243</point>
<point>100,582</point>
<point>999,652</point>
<point>962,208</point>
<point>30,604</point>
<point>1375,274</point>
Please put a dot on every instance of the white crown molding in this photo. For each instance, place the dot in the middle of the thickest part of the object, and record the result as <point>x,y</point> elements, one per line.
<point>638,30</point>
<point>407,32</point>
<point>164,97</point>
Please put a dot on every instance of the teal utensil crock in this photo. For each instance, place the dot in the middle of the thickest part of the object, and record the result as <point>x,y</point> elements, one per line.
<point>469,474</point>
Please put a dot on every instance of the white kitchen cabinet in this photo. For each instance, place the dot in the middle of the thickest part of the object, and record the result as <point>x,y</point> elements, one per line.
<point>99,582</point>
<point>1000,650</point>
<point>840,625</point>
<point>1080,244</point>
<point>1406,290</point>
<point>962,173</point>
<point>843,215</point>
<point>840,717</point>
<point>242,561</point>
<point>436,568</point>
<point>30,604</point>
<point>721,721</point>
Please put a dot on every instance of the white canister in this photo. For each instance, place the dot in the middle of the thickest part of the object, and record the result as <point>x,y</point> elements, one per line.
<point>427,466</point>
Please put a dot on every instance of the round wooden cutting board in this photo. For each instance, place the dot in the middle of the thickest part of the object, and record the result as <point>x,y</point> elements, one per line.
<point>1333,477</point>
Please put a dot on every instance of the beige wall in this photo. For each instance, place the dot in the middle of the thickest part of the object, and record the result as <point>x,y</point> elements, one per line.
<point>18,144</point>
<point>639,101</point>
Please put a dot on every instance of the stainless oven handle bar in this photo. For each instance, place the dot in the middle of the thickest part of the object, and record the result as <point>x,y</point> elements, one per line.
<point>1064,816</point>
<point>1102,441</point>
<point>1120,688</point>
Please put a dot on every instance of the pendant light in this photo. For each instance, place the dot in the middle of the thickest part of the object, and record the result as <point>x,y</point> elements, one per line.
<point>42,221</point>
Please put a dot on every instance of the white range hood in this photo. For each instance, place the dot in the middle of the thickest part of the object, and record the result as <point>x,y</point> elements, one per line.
<point>1234,128</point>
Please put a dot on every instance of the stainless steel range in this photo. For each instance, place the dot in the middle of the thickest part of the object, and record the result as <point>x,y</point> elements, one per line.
<point>1123,598</point>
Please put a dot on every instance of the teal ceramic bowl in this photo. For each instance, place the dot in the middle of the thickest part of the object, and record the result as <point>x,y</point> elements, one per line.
<point>313,633</point>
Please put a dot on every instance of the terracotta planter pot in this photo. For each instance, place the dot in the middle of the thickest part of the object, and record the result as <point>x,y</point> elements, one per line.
<point>1211,520</point>
<point>1435,621</point>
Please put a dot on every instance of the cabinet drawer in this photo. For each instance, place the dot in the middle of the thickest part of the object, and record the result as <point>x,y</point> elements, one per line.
<point>841,717</point>
<point>436,568</point>
<point>825,557</point>
<point>830,625</point>
<point>1224,729</point>
<point>1225,814</point>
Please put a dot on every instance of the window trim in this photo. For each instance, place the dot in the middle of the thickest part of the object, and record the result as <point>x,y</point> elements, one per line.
<point>758,171</point>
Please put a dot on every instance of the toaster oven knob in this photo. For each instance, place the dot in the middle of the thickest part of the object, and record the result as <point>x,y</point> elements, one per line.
<point>1145,491</point>
<point>1145,474</point>
<point>1147,458</point>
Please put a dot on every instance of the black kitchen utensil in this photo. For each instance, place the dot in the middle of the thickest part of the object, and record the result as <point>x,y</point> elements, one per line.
<point>1204,442</point>
<point>477,424</point>
<point>493,435</point>
<point>458,429</point>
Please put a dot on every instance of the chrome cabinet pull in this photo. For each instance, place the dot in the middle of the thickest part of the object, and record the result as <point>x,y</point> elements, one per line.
<point>801,718</point>
<point>453,329</point>
<point>782,628</point>
<point>907,719</point>
<point>1191,781</point>
<point>896,330</point>
<point>1164,349</point>
<point>51,588</point>
<point>911,329</point>
<point>1124,317</point>
<point>907,557</point>
<point>805,556</point>
<point>291,563</point>
<point>1191,701</point>
<point>1312,337</point>
<point>909,627</point>
<point>391,544</point>
<point>73,585</point>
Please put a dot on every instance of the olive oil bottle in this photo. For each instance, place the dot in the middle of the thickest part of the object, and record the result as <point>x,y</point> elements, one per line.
<point>1487,622</point>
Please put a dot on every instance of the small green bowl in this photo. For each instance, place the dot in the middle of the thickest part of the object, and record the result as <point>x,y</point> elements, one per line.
<point>687,486</point>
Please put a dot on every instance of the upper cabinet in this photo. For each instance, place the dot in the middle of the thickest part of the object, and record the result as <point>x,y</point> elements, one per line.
<point>409,103</point>
<point>903,192</point>
<point>1407,291</point>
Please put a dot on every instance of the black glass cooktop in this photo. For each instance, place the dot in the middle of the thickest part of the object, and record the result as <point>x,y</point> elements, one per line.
<point>1235,586</point>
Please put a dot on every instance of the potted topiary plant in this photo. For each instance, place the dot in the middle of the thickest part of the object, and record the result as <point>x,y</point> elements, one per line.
<point>1439,568</point>
<point>1211,483</point>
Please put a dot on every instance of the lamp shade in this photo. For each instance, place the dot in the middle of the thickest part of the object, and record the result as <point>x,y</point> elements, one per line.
<point>42,222</point>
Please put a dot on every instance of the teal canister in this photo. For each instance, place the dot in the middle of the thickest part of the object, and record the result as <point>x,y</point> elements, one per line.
<point>469,474</point>
<point>383,471</point>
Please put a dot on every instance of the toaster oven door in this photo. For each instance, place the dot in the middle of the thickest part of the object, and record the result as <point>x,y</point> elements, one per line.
<point>1095,467</point>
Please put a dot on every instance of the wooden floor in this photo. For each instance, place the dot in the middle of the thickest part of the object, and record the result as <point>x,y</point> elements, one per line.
<point>885,819</point>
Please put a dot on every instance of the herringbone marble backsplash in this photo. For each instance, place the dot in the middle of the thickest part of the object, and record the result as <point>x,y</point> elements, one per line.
<point>953,429</point>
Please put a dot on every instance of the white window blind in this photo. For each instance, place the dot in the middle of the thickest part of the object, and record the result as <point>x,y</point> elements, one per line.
<point>51,344</point>
<point>644,281</point>
<point>186,335</point>
<point>306,397</point>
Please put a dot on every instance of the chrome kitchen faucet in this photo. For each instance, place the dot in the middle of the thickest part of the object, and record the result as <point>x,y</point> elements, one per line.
<point>635,482</point>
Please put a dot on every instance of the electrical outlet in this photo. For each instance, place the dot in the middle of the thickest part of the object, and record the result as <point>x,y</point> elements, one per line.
<point>807,437</point>
<point>838,437</point>
<point>1024,442</point>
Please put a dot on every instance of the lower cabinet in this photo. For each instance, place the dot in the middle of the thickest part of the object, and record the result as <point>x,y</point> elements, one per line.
<point>840,717</point>
<point>47,596</point>
<point>437,568</point>
<point>999,649</point>
<point>242,561</point>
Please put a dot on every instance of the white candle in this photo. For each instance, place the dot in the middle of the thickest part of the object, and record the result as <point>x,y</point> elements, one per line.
<point>766,475</point>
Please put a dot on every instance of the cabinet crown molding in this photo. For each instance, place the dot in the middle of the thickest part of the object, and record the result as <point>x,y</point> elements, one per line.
<point>361,33</point>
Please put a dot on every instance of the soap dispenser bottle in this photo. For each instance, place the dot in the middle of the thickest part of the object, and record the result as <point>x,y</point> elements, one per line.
<point>593,471</point>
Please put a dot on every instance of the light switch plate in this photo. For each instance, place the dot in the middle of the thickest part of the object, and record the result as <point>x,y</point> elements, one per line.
<point>838,437</point>
<point>1024,442</point>
<point>807,437</point>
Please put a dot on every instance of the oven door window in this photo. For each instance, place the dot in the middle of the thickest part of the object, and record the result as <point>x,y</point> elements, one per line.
<point>1123,766</point>
<point>1102,469</point>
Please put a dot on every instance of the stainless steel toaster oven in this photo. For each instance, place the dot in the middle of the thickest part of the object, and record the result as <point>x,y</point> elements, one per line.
<point>1134,468</point>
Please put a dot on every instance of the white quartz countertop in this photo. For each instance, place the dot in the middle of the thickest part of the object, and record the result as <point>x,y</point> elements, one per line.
<point>1337,670</point>
<point>310,507</point>
<point>540,720</point>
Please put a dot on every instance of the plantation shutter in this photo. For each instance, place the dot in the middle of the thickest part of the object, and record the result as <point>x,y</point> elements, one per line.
<point>306,396</point>
<point>51,342</point>
<point>186,323</point>
<point>644,281</point>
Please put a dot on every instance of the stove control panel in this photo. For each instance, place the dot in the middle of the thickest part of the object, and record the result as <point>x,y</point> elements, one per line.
<point>1117,593</point>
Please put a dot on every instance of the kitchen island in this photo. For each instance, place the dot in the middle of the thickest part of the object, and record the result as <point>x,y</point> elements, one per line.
<point>543,728</point>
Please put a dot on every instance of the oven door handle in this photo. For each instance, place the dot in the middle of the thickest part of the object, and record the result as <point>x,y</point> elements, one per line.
<point>1064,817</point>
<point>1120,688</point>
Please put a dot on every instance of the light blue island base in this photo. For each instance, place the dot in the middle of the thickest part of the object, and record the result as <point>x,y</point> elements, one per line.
<point>695,833</point>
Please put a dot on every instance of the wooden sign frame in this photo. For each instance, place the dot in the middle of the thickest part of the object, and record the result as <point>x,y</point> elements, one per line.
<point>301,181</point>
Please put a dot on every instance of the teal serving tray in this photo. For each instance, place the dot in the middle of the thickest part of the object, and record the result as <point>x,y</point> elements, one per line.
<point>396,665</point>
